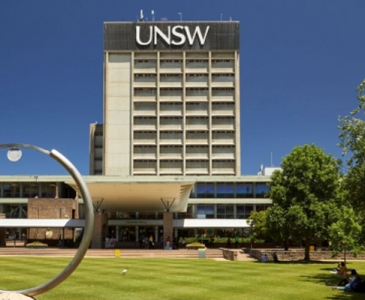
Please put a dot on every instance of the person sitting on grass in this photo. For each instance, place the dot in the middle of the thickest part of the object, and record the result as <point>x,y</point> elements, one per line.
<point>353,283</point>
<point>341,269</point>
<point>335,270</point>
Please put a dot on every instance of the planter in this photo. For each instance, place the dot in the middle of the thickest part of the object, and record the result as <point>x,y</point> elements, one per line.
<point>195,248</point>
<point>36,245</point>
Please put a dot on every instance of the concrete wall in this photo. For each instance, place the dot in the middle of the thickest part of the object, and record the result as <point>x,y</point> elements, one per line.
<point>295,255</point>
<point>229,254</point>
<point>117,115</point>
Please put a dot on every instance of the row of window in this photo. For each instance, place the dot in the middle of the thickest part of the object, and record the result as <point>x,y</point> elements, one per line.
<point>200,190</point>
<point>200,211</point>
<point>227,211</point>
<point>229,190</point>
<point>35,189</point>
<point>180,60</point>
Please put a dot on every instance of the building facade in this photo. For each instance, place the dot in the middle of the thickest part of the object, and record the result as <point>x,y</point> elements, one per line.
<point>171,100</point>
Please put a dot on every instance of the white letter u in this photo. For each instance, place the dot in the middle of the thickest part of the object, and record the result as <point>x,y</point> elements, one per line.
<point>138,37</point>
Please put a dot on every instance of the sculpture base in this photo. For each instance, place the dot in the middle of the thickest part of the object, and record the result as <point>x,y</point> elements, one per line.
<point>14,296</point>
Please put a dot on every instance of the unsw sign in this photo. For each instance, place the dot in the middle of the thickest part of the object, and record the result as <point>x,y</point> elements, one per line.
<point>189,36</point>
<point>175,35</point>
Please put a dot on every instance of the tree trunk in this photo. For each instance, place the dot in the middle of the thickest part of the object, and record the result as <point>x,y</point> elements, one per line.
<point>344,255</point>
<point>306,250</point>
<point>286,247</point>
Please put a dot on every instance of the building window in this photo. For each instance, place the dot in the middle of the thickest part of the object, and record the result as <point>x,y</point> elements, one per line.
<point>244,190</point>
<point>205,211</point>
<point>261,190</point>
<point>243,211</point>
<point>225,211</point>
<point>261,207</point>
<point>30,190</point>
<point>67,192</point>
<point>225,190</point>
<point>48,190</point>
<point>205,190</point>
<point>11,190</point>
<point>15,211</point>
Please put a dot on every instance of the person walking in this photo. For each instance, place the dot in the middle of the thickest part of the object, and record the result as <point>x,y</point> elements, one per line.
<point>236,240</point>
<point>168,243</point>
<point>150,242</point>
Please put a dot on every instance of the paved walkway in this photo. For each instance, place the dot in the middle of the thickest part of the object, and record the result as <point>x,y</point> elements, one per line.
<point>153,253</point>
<point>216,254</point>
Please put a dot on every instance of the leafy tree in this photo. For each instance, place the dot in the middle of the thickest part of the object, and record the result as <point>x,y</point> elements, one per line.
<point>257,222</point>
<point>352,141</point>
<point>305,195</point>
<point>277,225</point>
<point>352,134</point>
<point>345,234</point>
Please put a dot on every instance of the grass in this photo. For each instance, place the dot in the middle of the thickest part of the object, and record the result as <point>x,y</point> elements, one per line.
<point>100,278</point>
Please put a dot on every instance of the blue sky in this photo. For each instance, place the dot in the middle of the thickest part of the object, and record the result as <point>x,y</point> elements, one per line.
<point>301,61</point>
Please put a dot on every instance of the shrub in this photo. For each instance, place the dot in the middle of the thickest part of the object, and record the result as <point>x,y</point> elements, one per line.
<point>195,246</point>
<point>36,245</point>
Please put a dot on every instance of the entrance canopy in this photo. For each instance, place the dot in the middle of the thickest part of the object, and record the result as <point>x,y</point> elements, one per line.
<point>42,223</point>
<point>128,194</point>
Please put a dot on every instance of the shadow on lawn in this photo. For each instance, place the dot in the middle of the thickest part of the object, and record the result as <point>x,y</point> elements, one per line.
<point>302,262</point>
<point>321,279</point>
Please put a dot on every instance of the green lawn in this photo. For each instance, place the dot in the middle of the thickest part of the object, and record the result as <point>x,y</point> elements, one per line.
<point>100,278</point>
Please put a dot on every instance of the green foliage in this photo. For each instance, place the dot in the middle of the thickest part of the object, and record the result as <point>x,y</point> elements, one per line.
<point>305,195</point>
<point>278,227</point>
<point>36,244</point>
<point>221,240</point>
<point>345,234</point>
<point>195,246</point>
<point>352,141</point>
<point>352,135</point>
<point>257,222</point>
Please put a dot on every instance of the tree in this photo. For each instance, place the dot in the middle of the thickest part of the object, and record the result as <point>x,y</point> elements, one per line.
<point>278,226</point>
<point>257,222</point>
<point>352,141</point>
<point>345,234</point>
<point>305,195</point>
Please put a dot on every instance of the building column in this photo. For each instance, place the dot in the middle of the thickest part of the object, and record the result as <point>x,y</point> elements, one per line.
<point>168,226</point>
<point>57,190</point>
<point>2,231</point>
<point>117,233</point>
<point>156,239</point>
<point>137,233</point>
<point>100,230</point>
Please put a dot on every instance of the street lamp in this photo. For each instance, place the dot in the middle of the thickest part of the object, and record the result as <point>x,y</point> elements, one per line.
<point>180,13</point>
<point>14,154</point>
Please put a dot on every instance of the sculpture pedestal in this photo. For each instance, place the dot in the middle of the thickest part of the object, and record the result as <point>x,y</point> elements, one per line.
<point>14,296</point>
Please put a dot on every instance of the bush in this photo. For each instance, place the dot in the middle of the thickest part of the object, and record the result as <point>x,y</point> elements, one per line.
<point>36,245</point>
<point>221,240</point>
<point>195,246</point>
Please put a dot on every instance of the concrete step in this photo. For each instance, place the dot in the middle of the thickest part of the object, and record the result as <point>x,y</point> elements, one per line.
<point>244,256</point>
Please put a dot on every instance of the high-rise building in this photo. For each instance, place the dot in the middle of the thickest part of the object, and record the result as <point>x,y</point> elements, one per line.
<point>171,111</point>
<point>171,100</point>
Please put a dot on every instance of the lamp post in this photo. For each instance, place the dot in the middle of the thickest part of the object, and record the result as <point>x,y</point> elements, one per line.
<point>180,13</point>
<point>14,154</point>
